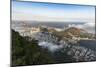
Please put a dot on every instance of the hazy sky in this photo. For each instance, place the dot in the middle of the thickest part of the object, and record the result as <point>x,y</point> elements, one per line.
<point>32,11</point>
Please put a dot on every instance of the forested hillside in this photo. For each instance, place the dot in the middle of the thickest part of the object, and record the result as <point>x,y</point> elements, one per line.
<point>27,52</point>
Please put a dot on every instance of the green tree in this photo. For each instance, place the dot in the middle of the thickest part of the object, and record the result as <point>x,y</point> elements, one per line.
<point>27,52</point>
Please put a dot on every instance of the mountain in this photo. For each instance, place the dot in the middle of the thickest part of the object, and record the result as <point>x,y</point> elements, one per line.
<point>74,32</point>
<point>26,51</point>
<point>64,49</point>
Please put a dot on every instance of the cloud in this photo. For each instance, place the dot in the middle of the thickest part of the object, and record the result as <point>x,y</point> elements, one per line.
<point>90,27</point>
<point>50,46</point>
<point>40,12</point>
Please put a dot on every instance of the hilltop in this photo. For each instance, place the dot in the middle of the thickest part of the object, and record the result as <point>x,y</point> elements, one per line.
<point>72,32</point>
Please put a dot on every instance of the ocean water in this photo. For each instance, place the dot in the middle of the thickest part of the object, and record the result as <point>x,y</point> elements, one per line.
<point>90,27</point>
<point>91,44</point>
<point>56,24</point>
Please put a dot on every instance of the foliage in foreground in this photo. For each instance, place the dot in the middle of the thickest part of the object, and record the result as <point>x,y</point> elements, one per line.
<point>25,52</point>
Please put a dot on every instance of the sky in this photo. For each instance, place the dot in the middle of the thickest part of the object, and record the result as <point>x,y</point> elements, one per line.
<point>35,11</point>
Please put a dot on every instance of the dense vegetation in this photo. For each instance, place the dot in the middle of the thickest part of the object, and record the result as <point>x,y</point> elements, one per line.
<point>27,52</point>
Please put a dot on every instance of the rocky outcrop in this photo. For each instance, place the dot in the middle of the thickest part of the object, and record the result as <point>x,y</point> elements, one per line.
<point>82,54</point>
<point>77,52</point>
